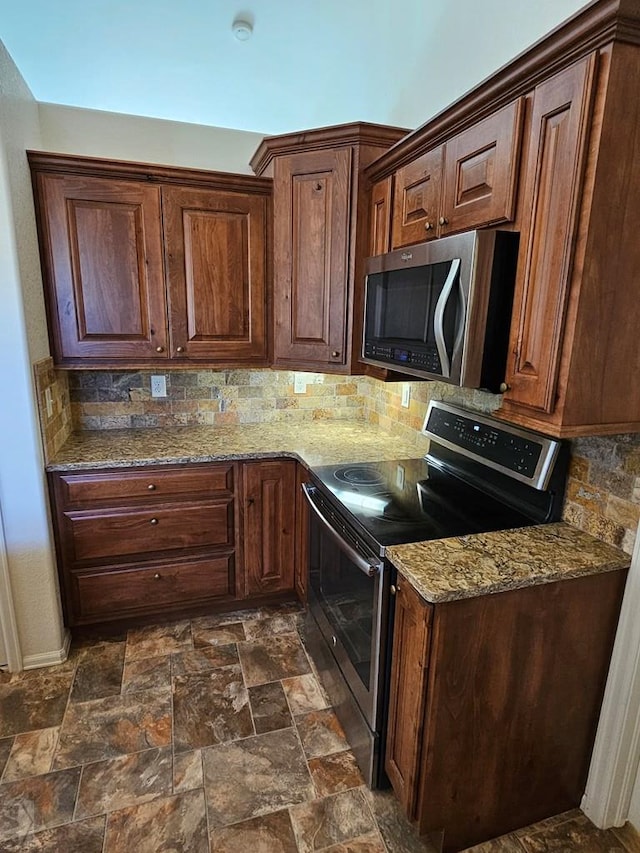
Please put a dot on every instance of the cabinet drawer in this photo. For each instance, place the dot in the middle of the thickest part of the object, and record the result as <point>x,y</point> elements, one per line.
<point>111,594</point>
<point>149,484</point>
<point>104,534</point>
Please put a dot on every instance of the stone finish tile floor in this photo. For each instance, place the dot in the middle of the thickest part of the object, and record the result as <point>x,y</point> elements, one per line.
<point>210,735</point>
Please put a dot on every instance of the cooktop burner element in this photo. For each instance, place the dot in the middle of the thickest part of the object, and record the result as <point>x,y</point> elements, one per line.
<point>358,475</point>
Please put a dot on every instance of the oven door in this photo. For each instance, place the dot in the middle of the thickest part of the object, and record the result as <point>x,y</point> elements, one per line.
<point>348,597</point>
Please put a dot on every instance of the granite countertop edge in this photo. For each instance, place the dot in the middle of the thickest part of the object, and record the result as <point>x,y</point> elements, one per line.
<point>501,586</point>
<point>186,459</point>
<point>489,563</point>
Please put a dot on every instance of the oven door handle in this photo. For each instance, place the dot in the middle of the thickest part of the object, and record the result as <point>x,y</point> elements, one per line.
<point>370,566</point>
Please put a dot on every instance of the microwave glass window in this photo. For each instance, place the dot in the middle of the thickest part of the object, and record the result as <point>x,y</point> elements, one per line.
<point>401,305</point>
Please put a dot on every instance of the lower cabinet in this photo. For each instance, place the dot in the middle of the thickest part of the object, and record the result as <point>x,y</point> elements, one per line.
<point>269,525</point>
<point>411,639</point>
<point>141,542</point>
<point>495,703</point>
<point>135,542</point>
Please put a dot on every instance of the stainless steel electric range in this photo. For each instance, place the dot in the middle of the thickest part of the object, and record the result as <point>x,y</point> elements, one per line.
<point>479,475</point>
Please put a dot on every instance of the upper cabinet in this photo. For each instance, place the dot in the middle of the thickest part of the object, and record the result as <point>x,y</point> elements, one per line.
<point>142,264</point>
<point>311,207</point>
<point>468,182</point>
<point>215,266</point>
<point>380,239</point>
<point>574,335</point>
<point>560,119</point>
<point>547,147</point>
<point>320,241</point>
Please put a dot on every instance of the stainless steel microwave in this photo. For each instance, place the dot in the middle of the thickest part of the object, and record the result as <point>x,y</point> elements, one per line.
<point>442,310</point>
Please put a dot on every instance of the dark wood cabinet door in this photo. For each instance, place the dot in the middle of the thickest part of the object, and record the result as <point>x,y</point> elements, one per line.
<point>416,200</point>
<point>380,212</point>
<point>102,260</point>
<point>515,686</point>
<point>312,219</point>
<point>216,274</point>
<point>411,641</point>
<point>269,526</point>
<point>481,172</point>
<point>559,131</point>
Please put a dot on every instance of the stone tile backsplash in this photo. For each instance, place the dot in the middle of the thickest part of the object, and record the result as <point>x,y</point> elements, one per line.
<point>107,400</point>
<point>56,420</point>
<point>603,490</point>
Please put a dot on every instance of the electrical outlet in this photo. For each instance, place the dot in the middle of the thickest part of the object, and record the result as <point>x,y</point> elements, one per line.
<point>48,399</point>
<point>159,386</point>
<point>300,383</point>
<point>400,476</point>
<point>406,394</point>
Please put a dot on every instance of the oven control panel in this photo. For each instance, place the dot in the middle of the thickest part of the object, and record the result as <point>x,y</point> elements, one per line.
<point>524,455</point>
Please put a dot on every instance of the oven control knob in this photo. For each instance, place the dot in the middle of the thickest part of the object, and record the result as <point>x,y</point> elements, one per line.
<point>334,641</point>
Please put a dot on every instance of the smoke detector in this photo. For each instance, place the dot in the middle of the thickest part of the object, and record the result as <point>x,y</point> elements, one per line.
<point>242,28</point>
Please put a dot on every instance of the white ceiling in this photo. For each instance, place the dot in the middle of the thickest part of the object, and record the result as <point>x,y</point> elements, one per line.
<point>309,63</point>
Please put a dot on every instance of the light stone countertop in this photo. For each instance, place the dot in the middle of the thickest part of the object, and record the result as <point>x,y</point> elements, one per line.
<point>314,443</point>
<point>440,570</point>
<point>485,563</point>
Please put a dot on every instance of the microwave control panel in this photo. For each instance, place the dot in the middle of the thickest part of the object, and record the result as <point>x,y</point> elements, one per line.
<point>427,359</point>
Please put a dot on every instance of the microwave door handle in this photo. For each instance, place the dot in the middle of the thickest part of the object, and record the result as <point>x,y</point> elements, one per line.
<point>462,315</point>
<point>370,567</point>
<point>438,318</point>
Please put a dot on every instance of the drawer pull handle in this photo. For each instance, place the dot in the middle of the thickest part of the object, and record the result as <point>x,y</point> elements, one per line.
<point>153,521</point>
<point>156,577</point>
<point>151,487</point>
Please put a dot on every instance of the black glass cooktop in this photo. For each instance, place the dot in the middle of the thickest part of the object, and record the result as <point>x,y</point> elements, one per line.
<point>410,500</point>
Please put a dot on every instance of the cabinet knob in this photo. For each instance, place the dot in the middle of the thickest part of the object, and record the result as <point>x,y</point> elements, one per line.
<point>153,521</point>
<point>443,220</point>
<point>393,589</point>
<point>151,487</point>
<point>159,349</point>
<point>179,349</point>
<point>156,577</point>
<point>334,353</point>
<point>428,226</point>
<point>504,387</point>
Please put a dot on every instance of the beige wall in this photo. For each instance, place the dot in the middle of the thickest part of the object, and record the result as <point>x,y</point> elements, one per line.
<point>24,339</point>
<point>94,133</point>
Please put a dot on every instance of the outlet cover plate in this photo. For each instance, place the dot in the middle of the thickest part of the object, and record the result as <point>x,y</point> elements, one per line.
<point>406,394</point>
<point>159,385</point>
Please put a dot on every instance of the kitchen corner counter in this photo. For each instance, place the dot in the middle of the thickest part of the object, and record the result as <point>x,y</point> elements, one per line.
<point>485,563</point>
<point>315,443</point>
